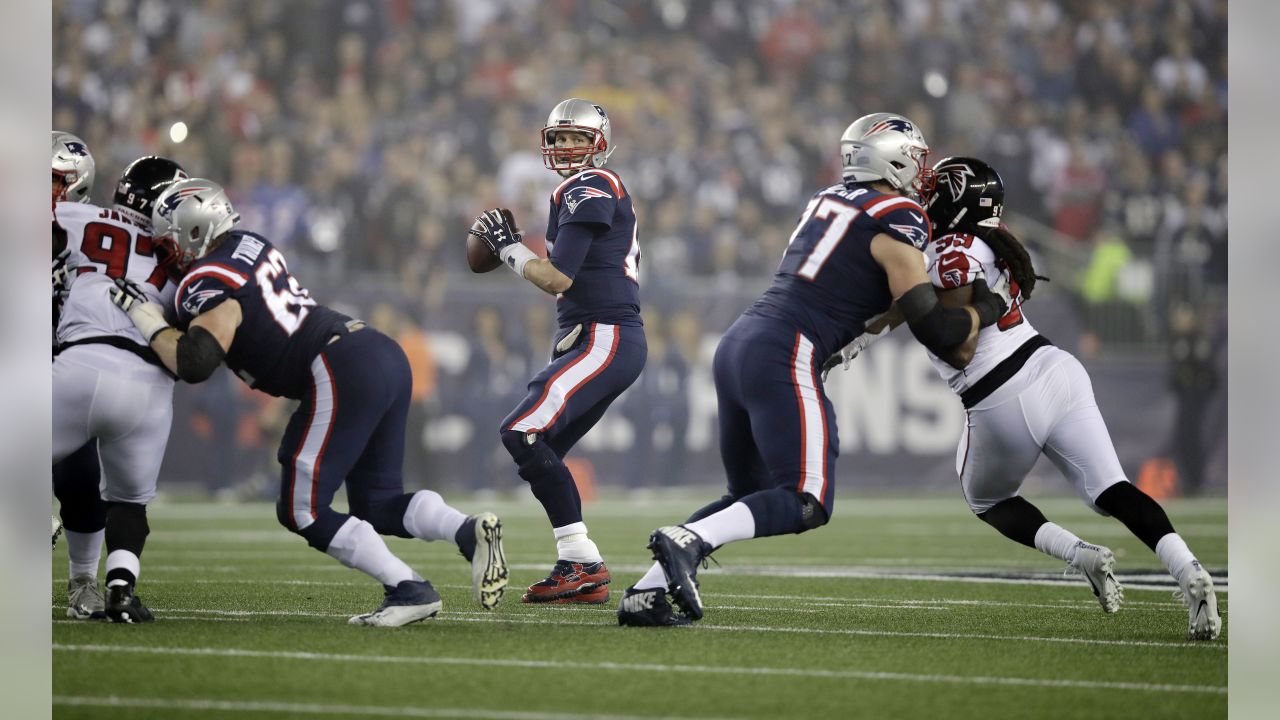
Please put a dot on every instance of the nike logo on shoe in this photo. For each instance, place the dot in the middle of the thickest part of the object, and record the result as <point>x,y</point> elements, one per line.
<point>638,602</point>
<point>680,535</point>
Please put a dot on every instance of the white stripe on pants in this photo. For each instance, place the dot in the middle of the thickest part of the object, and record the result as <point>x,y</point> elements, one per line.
<point>307,459</point>
<point>813,426</point>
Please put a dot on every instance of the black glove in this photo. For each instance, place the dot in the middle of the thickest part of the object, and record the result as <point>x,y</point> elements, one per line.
<point>497,228</point>
<point>990,306</point>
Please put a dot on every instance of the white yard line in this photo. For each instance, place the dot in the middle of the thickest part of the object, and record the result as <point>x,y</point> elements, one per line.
<point>545,619</point>
<point>268,706</point>
<point>651,667</point>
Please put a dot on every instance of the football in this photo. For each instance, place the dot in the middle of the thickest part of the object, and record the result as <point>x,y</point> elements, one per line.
<point>479,258</point>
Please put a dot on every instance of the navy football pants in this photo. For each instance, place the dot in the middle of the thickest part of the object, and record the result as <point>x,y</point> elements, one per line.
<point>777,427</point>
<point>565,400</point>
<point>349,428</point>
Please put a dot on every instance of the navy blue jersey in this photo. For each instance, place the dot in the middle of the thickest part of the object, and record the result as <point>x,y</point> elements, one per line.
<point>282,328</point>
<point>829,285</point>
<point>605,269</point>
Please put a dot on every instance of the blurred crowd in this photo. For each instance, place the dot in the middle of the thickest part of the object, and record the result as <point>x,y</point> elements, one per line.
<point>364,136</point>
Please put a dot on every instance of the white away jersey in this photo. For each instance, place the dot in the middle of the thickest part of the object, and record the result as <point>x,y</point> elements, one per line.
<point>954,261</point>
<point>105,245</point>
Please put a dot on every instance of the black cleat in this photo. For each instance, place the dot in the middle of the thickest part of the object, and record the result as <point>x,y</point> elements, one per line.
<point>125,607</point>
<point>648,608</point>
<point>679,550</point>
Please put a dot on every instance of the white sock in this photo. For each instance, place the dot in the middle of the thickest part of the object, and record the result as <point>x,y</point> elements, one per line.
<point>1054,540</point>
<point>84,550</point>
<point>1174,553</point>
<point>572,544</point>
<point>357,545</point>
<point>124,560</point>
<point>655,578</point>
<point>429,517</point>
<point>730,524</point>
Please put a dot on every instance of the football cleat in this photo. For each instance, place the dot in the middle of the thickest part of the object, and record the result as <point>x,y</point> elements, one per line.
<point>1096,564</point>
<point>123,606</point>
<point>57,530</point>
<point>679,550</point>
<point>84,599</point>
<point>648,608</point>
<point>488,563</point>
<point>1197,592</point>
<point>571,582</point>
<point>409,602</point>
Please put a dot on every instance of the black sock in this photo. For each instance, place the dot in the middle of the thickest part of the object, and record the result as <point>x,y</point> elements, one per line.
<point>466,538</point>
<point>1137,510</point>
<point>1016,519</point>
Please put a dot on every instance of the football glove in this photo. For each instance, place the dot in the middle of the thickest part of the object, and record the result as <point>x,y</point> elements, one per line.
<point>497,228</point>
<point>851,351</point>
<point>61,273</point>
<point>146,315</point>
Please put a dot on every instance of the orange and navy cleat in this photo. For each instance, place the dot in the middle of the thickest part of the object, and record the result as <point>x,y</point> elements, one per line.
<point>572,582</point>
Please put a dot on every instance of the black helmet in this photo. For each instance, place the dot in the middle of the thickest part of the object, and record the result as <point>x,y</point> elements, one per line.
<point>967,195</point>
<point>143,181</point>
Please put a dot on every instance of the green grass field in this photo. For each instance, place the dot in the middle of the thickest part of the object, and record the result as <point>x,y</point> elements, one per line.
<point>900,608</point>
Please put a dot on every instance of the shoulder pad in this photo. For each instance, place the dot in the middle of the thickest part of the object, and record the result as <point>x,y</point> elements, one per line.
<point>605,181</point>
<point>901,218</point>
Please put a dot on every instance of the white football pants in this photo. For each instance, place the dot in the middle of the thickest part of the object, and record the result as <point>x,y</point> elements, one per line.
<point>124,401</point>
<point>1048,406</point>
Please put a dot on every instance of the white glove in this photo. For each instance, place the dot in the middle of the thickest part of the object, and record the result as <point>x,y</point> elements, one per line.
<point>851,351</point>
<point>1000,288</point>
<point>146,315</point>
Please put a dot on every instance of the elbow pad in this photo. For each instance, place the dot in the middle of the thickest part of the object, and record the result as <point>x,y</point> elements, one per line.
<point>199,354</point>
<point>937,328</point>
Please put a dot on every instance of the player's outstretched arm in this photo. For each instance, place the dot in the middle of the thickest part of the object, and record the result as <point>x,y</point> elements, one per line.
<point>962,354</point>
<point>938,328</point>
<point>191,355</point>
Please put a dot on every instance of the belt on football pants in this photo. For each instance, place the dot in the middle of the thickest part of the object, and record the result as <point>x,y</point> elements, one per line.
<point>1001,373</point>
<point>346,329</point>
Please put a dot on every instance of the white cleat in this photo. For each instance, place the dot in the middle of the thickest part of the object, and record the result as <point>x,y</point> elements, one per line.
<point>1096,564</point>
<point>488,563</point>
<point>1197,592</point>
<point>409,602</point>
<point>57,530</point>
<point>85,600</point>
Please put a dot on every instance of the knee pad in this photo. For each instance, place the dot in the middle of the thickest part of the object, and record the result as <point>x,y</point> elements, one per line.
<point>530,452</point>
<point>127,527</point>
<point>813,514</point>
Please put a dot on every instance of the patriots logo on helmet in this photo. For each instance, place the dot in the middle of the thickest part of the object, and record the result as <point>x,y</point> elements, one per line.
<point>76,148</point>
<point>193,302</point>
<point>914,233</point>
<point>956,178</point>
<point>575,196</point>
<point>901,125</point>
<point>173,200</point>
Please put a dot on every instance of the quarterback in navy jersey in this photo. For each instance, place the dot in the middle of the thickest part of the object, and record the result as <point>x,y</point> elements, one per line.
<point>239,304</point>
<point>599,350</point>
<point>857,247</point>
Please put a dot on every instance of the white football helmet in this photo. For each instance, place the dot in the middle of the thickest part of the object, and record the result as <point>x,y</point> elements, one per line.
<point>188,216</point>
<point>73,168</point>
<point>888,147</point>
<point>579,116</point>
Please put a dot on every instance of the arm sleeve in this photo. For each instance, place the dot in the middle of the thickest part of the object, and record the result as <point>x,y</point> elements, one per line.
<point>571,247</point>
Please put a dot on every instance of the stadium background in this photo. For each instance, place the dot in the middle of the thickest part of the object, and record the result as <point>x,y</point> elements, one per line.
<point>362,137</point>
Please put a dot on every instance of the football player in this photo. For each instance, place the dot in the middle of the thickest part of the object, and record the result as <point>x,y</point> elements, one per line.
<point>1024,397</point>
<point>81,512</point>
<point>238,303</point>
<point>859,245</point>
<point>107,384</point>
<point>592,268</point>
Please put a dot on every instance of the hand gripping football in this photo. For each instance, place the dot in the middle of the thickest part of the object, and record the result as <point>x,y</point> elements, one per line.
<point>479,257</point>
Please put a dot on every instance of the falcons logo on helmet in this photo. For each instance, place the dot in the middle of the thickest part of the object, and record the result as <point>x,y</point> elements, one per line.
<point>956,178</point>
<point>899,124</point>
<point>577,195</point>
